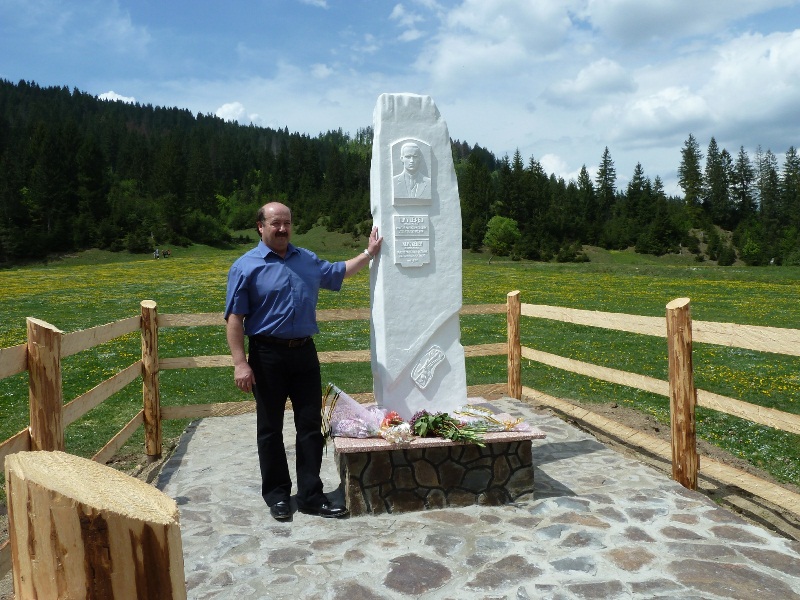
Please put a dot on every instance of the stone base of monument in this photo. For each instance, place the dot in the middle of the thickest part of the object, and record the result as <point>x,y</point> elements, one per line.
<point>427,473</point>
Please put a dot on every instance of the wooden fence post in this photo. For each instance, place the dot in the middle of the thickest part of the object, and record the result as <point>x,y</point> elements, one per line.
<point>151,396</point>
<point>45,394</point>
<point>79,529</point>
<point>682,394</point>
<point>513,309</point>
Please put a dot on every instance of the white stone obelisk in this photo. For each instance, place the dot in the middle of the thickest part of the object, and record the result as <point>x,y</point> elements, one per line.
<point>415,283</point>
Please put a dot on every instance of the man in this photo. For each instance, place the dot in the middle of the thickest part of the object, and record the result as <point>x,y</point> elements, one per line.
<point>272,299</point>
<point>411,183</point>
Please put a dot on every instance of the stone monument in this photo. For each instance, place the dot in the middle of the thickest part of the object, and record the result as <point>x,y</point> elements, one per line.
<point>415,283</point>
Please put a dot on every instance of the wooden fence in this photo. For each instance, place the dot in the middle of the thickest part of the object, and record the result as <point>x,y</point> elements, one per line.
<point>46,346</point>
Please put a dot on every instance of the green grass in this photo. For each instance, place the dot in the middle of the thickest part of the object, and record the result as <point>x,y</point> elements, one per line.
<point>97,287</point>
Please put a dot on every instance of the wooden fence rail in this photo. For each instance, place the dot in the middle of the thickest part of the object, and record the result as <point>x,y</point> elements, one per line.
<point>46,346</point>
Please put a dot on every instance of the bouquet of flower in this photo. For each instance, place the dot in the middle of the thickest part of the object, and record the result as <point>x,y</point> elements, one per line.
<point>394,429</point>
<point>343,416</point>
<point>425,424</point>
<point>481,416</point>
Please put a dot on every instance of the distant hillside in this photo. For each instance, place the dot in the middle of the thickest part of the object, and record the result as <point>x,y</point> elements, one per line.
<point>77,172</point>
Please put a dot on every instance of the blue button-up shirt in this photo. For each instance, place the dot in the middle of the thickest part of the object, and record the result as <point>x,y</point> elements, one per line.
<point>278,296</point>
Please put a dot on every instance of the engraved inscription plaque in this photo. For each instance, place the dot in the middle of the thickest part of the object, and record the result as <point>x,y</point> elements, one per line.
<point>412,240</point>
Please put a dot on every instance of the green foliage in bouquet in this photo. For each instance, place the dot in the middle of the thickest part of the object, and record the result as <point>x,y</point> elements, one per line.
<point>425,424</point>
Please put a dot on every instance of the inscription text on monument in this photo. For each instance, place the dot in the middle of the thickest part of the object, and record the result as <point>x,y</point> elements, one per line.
<point>412,240</point>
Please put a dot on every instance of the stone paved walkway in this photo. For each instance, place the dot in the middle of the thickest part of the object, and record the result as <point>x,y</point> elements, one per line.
<point>600,526</point>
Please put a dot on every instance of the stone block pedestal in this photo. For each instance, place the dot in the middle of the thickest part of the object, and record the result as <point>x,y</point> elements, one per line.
<point>427,473</point>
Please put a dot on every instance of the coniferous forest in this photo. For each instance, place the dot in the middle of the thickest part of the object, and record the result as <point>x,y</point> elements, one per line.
<point>77,172</point>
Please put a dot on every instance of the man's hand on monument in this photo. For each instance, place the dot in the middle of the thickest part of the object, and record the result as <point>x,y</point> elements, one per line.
<point>354,265</point>
<point>374,244</point>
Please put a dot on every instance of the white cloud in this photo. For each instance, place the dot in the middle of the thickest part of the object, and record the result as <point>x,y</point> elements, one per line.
<point>744,91</point>
<point>756,82</point>
<point>487,38</point>
<point>115,97</point>
<point>320,71</point>
<point>369,45</point>
<point>654,118</point>
<point>633,21</point>
<point>116,30</point>
<point>410,35</point>
<point>408,20</point>
<point>602,77</point>
<point>552,163</point>
<point>317,3</point>
<point>403,17</point>
<point>235,111</point>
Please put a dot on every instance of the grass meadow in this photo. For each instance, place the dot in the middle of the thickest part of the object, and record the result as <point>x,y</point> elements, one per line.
<point>93,288</point>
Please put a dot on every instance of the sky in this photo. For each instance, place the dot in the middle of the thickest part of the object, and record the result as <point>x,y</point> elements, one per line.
<point>557,80</point>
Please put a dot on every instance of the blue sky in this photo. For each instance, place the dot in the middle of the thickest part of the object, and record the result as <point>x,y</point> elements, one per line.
<point>558,80</point>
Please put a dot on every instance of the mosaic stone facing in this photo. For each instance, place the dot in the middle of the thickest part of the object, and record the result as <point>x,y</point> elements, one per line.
<point>413,478</point>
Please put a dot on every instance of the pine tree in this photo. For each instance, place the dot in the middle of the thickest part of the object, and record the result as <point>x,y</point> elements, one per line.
<point>769,192</point>
<point>604,182</point>
<point>586,222</point>
<point>790,187</point>
<point>690,177</point>
<point>742,186</point>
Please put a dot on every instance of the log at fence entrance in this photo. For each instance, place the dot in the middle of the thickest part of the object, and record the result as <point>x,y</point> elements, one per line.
<point>682,395</point>
<point>79,529</point>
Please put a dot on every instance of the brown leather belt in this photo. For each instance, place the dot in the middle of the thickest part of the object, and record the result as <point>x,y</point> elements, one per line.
<point>289,343</point>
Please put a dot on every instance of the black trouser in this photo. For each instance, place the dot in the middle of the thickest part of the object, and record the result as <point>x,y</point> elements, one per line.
<point>292,372</point>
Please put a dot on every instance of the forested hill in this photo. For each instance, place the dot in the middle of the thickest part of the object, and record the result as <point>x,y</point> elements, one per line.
<point>77,172</point>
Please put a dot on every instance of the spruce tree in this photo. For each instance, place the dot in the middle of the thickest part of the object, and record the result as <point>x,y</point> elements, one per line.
<point>690,178</point>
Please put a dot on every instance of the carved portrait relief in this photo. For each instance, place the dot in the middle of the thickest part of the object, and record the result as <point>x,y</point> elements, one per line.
<point>411,181</point>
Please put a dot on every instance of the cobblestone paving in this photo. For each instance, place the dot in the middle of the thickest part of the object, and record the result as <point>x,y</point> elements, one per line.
<point>600,526</point>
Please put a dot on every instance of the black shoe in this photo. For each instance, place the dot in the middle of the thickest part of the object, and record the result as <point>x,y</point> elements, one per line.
<point>329,510</point>
<point>281,511</point>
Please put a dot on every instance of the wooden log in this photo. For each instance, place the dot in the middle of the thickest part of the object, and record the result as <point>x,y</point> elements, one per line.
<point>78,341</point>
<point>344,356</point>
<point>46,397</point>
<point>594,318</point>
<point>483,309</point>
<point>197,411</point>
<point>191,320</point>
<point>79,529</point>
<point>751,337</point>
<point>13,360</point>
<point>682,394</point>
<point>108,451</point>
<point>634,380</point>
<point>325,357</point>
<point>195,362</point>
<point>19,442</point>
<point>151,398</point>
<point>514,345</point>
<point>81,405</point>
<point>343,314</point>
<point>499,349</point>
<point>5,558</point>
<point>770,417</point>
